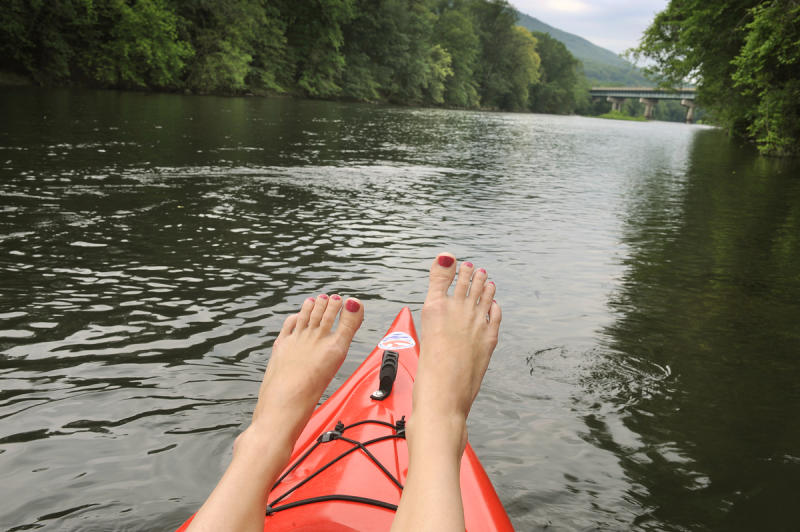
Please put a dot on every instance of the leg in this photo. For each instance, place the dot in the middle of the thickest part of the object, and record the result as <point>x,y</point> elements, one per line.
<point>459,334</point>
<point>305,357</point>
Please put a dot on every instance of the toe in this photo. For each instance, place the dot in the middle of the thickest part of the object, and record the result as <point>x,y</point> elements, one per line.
<point>464,276</point>
<point>495,316</point>
<point>485,302</point>
<point>476,287</point>
<point>331,310</point>
<point>443,270</point>
<point>319,309</point>
<point>304,314</point>
<point>350,320</point>
<point>288,326</point>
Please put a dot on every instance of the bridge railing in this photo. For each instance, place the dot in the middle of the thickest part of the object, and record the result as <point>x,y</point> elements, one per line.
<point>643,92</point>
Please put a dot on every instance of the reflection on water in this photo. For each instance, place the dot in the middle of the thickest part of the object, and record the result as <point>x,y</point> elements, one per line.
<point>152,244</point>
<point>711,290</point>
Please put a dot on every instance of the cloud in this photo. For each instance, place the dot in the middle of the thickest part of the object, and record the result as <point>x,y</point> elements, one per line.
<point>574,7</point>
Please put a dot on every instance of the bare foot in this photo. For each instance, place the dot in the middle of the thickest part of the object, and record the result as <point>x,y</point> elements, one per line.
<point>305,357</point>
<point>459,334</point>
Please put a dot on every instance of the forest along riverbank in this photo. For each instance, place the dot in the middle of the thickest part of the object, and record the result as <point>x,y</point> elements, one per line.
<point>151,245</point>
<point>469,54</point>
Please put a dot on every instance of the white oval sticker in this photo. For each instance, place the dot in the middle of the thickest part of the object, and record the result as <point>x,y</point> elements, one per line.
<point>397,340</point>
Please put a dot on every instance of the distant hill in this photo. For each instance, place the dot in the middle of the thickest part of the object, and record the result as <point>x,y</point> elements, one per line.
<point>601,66</point>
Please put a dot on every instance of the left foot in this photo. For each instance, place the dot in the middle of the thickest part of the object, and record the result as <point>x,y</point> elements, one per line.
<point>305,357</point>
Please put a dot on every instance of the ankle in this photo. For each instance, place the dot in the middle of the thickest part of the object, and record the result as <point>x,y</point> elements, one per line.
<point>436,434</point>
<point>258,445</point>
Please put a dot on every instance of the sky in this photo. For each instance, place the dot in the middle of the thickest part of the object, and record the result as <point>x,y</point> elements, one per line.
<point>613,24</point>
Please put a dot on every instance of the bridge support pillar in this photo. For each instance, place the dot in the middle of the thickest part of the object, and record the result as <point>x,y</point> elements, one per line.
<point>649,105</point>
<point>616,103</point>
<point>690,105</point>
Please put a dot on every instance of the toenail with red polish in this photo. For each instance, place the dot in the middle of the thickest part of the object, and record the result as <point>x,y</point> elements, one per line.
<point>311,299</point>
<point>446,261</point>
<point>468,264</point>
<point>481,271</point>
<point>336,297</point>
<point>352,306</point>
<point>491,283</point>
<point>323,296</point>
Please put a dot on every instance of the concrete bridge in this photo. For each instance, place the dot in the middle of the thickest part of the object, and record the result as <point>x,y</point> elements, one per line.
<point>649,96</point>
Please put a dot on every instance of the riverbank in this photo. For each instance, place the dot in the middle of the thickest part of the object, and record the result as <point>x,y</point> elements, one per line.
<point>616,115</point>
<point>12,79</point>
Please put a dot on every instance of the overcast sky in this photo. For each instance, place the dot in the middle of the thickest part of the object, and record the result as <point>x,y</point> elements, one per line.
<point>613,24</point>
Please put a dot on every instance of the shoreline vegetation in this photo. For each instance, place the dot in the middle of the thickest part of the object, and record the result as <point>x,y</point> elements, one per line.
<point>617,115</point>
<point>745,58</point>
<point>12,79</point>
<point>453,53</point>
<point>460,54</point>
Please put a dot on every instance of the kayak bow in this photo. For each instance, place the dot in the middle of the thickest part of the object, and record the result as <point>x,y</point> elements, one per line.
<point>349,465</point>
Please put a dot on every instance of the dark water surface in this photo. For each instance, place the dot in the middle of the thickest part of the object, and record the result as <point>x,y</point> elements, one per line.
<point>150,246</point>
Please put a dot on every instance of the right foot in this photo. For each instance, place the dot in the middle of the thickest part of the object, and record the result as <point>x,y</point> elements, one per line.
<point>459,334</point>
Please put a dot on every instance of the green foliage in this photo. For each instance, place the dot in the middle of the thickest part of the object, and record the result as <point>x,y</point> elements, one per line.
<point>455,32</point>
<point>745,57</point>
<point>102,42</point>
<point>133,45</point>
<point>437,71</point>
<point>619,115</point>
<point>41,38</point>
<point>461,53</point>
<point>768,67</point>
<point>525,70</point>
<point>555,93</point>
<point>315,39</point>
<point>431,52</point>
<point>239,45</point>
<point>408,60</point>
<point>508,64</point>
<point>390,54</point>
<point>672,111</point>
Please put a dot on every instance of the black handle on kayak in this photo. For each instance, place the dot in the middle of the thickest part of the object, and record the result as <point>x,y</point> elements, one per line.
<point>386,376</point>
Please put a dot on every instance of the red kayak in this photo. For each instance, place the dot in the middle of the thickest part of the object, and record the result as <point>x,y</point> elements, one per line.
<point>349,465</point>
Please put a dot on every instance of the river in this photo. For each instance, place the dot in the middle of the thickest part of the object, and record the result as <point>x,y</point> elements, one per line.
<point>647,375</point>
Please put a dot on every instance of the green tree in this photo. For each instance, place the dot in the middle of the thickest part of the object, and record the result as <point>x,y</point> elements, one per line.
<point>768,68</point>
<point>415,69</point>
<point>111,43</point>
<point>560,75</point>
<point>455,32</point>
<point>508,63</point>
<point>465,53</point>
<point>239,45</point>
<point>315,39</point>
<point>523,67</point>
<point>744,57</point>
<point>40,37</point>
<point>390,53</point>
<point>133,44</point>
<point>364,47</point>
<point>436,71</point>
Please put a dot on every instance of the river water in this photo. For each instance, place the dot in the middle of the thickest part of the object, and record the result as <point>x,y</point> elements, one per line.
<point>647,375</point>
